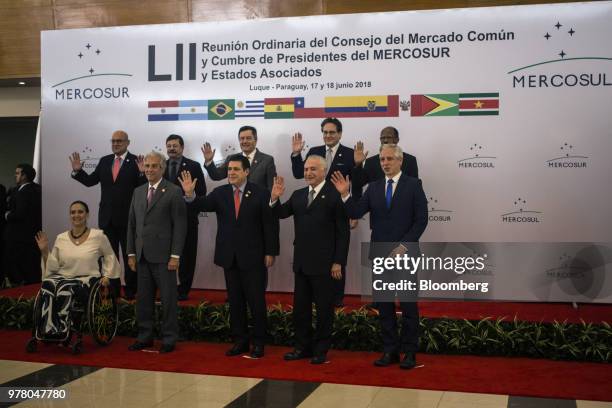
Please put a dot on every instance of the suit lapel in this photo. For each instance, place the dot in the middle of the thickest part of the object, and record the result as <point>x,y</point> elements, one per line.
<point>122,169</point>
<point>159,192</point>
<point>256,160</point>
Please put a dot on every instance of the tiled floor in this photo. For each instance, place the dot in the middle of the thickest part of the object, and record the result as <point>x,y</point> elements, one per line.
<point>109,387</point>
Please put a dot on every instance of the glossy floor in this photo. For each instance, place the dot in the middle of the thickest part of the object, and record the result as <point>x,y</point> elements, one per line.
<point>110,387</point>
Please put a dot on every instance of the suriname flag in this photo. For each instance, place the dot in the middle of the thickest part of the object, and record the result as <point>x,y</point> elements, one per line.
<point>463,104</point>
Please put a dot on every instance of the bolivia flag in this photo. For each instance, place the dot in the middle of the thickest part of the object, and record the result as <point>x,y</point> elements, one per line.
<point>281,108</point>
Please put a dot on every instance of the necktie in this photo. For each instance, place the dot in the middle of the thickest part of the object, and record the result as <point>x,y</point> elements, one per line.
<point>311,196</point>
<point>237,201</point>
<point>116,167</point>
<point>389,194</point>
<point>173,171</point>
<point>329,158</point>
<point>150,195</point>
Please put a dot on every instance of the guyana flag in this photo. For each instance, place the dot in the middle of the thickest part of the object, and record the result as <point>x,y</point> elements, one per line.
<point>220,109</point>
<point>463,104</point>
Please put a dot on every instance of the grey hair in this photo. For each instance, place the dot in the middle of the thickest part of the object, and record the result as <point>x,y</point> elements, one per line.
<point>397,151</point>
<point>160,156</point>
<point>320,159</point>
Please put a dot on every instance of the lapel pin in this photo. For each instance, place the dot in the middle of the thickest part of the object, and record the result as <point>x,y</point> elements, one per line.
<point>339,154</point>
<point>254,161</point>
<point>248,193</point>
<point>127,160</point>
<point>163,190</point>
<point>322,196</point>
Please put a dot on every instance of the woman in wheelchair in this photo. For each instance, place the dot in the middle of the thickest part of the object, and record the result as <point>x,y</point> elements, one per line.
<point>80,257</point>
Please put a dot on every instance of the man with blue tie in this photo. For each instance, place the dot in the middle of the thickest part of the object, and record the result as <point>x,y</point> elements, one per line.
<point>246,245</point>
<point>398,210</point>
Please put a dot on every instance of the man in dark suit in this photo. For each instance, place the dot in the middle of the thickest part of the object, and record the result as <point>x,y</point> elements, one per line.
<point>398,210</point>
<point>23,220</point>
<point>157,227</point>
<point>369,170</point>
<point>262,170</point>
<point>118,175</point>
<point>176,164</point>
<point>320,250</point>
<point>338,158</point>
<point>246,244</point>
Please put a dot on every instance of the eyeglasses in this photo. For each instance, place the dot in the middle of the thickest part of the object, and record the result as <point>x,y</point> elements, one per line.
<point>117,141</point>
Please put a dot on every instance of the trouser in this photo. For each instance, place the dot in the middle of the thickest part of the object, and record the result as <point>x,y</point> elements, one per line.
<point>22,262</point>
<point>150,277</point>
<point>408,338</point>
<point>247,287</point>
<point>117,236</point>
<point>317,288</point>
<point>188,258</point>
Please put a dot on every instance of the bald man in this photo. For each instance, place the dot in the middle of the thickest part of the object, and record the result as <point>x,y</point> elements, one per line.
<point>118,175</point>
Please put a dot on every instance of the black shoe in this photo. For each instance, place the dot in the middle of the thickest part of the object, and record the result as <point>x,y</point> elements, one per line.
<point>319,359</point>
<point>137,346</point>
<point>257,352</point>
<point>237,349</point>
<point>297,355</point>
<point>166,348</point>
<point>387,359</point>
<point>182,296</point>
<point>409,361</point>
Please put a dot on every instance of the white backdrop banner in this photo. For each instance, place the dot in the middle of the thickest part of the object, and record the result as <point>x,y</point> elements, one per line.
<point>507,110</point>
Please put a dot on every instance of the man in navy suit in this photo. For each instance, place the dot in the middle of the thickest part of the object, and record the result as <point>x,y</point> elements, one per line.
<point>246,244</point>
<point>369,170</point>
<point>338,158</point>
<point>118,174</point>
<point>175,165</point>
<point>398,210</point>
<point>320,250</point>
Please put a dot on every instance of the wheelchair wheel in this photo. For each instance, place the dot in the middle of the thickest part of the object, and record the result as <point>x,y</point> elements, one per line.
<point>31,345</point>
<point>102,313</point>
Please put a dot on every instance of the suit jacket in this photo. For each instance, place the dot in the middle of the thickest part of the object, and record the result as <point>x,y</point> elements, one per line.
<point>157,230</point>
<point>404,222</point>
<point>3,198</point>
<point>322,230</point>
<point>262,171</point>
<point>344,161</point>
<point>116,196</point>
<point>24,219</point>
<point>247,239</point>
<point>195,169</point>
<point>371,171</point>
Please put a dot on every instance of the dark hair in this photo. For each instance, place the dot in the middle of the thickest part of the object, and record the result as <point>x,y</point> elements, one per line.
<point>83,203</point>
<point>176,137</point>
<point>251,128</point>
<point>28,170</point>
<point>394,131</point>
<point>334,121</point>
<point>240,158</point>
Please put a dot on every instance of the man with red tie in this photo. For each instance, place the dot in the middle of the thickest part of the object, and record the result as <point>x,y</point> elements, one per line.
<point>246,244</point>
<point>118,175</point>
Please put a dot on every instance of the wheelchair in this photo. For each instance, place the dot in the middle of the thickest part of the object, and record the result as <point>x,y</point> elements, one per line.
<point>100,315</point>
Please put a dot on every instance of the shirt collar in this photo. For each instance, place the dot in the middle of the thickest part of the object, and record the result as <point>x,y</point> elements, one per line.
<point>155,185</point>
<point>334,149</point>
<point>395,178</point>
<point>23,185</point>
<point>240,187</point>
<point>250,156</point>
<point>122,157</point>
<point>318,187</point>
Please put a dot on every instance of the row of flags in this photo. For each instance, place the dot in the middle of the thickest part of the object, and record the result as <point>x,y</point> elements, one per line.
<point>334,106</point>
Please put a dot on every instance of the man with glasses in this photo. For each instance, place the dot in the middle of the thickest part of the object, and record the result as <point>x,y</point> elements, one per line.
<point>118,175</point>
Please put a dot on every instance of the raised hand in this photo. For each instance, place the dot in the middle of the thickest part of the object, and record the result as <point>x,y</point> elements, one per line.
<point>42,241</point>
<point>208,152</point>
<point>278,188</point>
<point>187,183</point>
<point>359,155</point>
<point>75,161</point>
<point>341,183</point>
<point>297,143</point>
<point>140,163</point>
<point>336,271</point>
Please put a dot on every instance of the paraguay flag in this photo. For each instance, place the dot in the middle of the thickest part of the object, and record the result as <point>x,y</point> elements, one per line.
<point>193,109</point>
